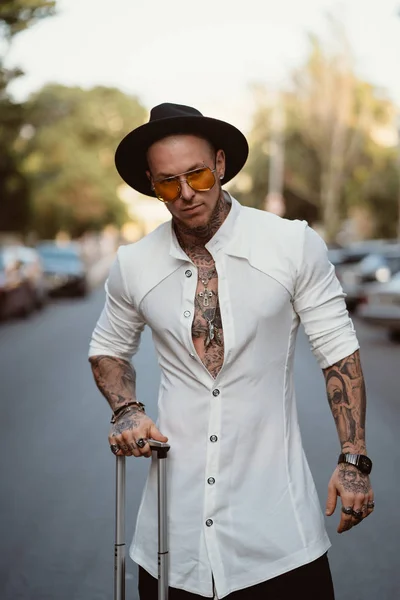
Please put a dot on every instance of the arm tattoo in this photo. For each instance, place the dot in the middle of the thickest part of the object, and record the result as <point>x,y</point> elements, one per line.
<point>115,378</point>
<point>347,398</point>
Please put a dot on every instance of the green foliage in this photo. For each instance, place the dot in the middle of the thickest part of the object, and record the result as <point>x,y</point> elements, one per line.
<point>15,16</point>
<point>14,190</point>
<point>56,150</point>
<point>18,15</point>
<point>69,158</point>
<point>374,186</point>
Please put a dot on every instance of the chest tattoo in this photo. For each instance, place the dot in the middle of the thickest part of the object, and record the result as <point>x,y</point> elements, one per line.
<point>206,295</point>
<point>206,301</point>
<point>207,332</point>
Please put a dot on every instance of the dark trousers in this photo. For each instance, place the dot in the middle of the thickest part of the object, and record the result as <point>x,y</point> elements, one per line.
<point>312,581</point>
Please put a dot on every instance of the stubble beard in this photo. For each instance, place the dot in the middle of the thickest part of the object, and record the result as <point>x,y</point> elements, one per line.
<point>201,234</point>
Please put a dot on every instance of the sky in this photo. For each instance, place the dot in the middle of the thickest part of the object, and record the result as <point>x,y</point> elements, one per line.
<point>205,54</point>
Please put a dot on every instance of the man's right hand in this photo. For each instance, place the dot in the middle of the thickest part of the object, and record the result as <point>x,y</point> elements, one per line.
<point>129,429</point>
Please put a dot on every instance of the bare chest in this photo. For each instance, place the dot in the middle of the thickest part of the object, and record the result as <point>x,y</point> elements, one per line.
<point>207,331</point>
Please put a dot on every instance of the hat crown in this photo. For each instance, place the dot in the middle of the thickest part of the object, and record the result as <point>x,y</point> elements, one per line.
<point>167,110</point>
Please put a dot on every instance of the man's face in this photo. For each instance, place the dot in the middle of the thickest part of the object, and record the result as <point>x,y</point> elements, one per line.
<point>181,153</point>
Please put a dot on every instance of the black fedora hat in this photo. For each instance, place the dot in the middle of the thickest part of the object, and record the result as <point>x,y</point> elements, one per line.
<point>171,119</point>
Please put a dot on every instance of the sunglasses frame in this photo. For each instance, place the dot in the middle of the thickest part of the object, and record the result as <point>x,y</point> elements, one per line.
<point>179,182</point>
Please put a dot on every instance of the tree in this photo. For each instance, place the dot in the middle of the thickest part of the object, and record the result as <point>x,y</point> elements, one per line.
<point>336,114</point>
<point>18,15</point>
<point>336,154</point>
<point>15,16</point>
<point>73,134</point>
<point>301,183</point>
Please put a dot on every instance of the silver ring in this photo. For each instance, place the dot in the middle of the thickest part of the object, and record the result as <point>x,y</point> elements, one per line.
<point>357,514</point>
<point>371,504</point>
<point>114,448</point>
<point>347,510</point>
<point>141,442</point>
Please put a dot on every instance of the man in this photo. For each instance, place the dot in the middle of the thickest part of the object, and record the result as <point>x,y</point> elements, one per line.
<point>223,289</point>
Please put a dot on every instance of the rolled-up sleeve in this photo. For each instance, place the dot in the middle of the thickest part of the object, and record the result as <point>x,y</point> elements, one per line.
<point>319,302</point>
<point>118,330</point>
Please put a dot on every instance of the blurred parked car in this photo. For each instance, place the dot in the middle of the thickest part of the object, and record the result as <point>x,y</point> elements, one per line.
<point>380,266</point>
<point>353,273</point>
<point>64,268</point>
<point>33,270</point>
<point>22,284</point>
<point>381,306</point>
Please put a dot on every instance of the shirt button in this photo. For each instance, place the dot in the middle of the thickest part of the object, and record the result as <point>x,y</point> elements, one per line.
<point>213,438</point>
<point>216,392</point>
<point>209,522</point>
<point>188,273</point>
<point>186,313</point>
<point>192,355</point>
<point>211,480</point>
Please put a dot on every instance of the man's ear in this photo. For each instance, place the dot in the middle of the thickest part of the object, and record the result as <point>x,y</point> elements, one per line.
<point>149,178</point>
<point>220,163</point>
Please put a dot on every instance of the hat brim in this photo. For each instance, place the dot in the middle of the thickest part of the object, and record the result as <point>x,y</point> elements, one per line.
<point>130,157</point>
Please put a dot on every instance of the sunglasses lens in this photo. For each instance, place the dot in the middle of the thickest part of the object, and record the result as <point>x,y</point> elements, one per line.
<point>167,190</point>
<point>201,180</point>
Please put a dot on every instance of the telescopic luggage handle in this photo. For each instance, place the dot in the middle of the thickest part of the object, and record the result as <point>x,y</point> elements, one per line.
<point>119,546</point>
<point>119,549</point>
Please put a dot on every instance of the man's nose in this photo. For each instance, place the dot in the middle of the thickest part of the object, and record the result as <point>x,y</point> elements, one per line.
<point>186,191</point>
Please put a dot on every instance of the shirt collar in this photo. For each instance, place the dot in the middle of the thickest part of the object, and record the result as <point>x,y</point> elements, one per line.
<point>221,237</point>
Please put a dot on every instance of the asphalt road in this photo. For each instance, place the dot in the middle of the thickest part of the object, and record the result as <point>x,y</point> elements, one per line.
<point>57,474</point>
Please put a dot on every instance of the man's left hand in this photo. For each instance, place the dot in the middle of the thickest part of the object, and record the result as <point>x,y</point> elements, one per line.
<point>355,491</point>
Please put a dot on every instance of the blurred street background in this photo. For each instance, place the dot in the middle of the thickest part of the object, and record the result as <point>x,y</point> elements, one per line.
<point>315,86</point>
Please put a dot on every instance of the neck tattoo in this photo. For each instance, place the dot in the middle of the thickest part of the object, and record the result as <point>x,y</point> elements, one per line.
<point>192,238</point>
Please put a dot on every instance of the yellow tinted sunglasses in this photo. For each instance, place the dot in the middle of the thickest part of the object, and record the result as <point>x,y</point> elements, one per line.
<point>169,189</point>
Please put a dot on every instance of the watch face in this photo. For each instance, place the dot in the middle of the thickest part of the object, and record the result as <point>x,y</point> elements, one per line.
<point>362,462</point>
<point>365,464</point>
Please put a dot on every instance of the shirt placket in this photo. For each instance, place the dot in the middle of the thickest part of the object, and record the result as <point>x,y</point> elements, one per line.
<point>216,392</point>
<point>187,311</point>
<point>212,482</point>
<point>215,397</point>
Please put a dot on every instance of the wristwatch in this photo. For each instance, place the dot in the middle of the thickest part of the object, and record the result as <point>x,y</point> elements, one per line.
<point>362,462</point>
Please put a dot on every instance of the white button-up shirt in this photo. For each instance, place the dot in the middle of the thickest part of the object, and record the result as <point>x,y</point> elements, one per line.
<point>242,502</point>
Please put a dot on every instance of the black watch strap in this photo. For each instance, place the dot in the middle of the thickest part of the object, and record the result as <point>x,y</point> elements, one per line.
<point>362,462</point>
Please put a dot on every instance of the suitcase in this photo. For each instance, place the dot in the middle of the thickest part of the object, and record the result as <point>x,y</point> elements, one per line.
<point>161,451</point>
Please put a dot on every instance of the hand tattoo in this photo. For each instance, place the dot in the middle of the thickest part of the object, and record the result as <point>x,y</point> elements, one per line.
<point>127,423</point>
<point>353,480</point>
